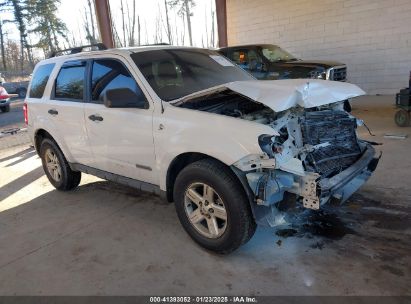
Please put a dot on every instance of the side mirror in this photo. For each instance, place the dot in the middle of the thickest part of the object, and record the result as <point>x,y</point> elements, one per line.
<point>124,98</point>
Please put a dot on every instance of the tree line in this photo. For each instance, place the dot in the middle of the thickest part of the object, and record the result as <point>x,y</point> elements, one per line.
<point>172,22</point>
<point>40,28</point>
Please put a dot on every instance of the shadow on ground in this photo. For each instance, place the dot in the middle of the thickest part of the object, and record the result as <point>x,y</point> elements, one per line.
<point>104,238</point>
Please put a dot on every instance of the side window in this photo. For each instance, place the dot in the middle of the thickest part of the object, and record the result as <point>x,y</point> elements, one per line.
<point>254,61</point>
<point>247,59</point>
<point>39,80</point>
<point>70,81</point>
<point>108,74</point>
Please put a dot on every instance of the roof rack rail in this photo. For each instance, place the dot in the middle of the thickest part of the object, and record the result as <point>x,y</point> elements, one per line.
<point>77,49</point>
<point>153,44</point>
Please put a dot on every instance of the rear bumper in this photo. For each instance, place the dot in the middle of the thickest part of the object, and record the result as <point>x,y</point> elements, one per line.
<point>344,184</point>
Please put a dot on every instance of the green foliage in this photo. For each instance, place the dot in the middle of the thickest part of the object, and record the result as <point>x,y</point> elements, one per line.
<point>46,24</point>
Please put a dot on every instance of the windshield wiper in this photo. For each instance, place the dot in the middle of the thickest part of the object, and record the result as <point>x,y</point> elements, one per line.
<point>286,60</point>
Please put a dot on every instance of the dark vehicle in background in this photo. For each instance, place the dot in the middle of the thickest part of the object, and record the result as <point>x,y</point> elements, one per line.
<point>19,88</point>
<point>267,61</point>
<point>270,62</point>
<point>15,87</point>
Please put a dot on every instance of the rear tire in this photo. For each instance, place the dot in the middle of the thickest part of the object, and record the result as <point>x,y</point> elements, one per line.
<point>57,168</point>
<point>206,192</point>
<point>5,109</point>
<point>22,93</point>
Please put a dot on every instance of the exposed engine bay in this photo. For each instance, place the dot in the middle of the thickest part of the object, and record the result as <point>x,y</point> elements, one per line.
<point>324,139</point>
<point>232,104</point>
<point>316,156</point>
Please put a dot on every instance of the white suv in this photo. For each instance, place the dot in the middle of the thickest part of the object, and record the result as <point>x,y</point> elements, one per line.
<point>188,124</point>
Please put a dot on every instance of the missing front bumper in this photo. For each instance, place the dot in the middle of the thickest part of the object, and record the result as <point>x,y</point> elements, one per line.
<point>270,186</point>
<point>344,184</point>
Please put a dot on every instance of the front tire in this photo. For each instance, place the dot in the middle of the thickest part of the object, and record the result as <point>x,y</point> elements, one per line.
<point>57,168</point>
<point>212,206</point>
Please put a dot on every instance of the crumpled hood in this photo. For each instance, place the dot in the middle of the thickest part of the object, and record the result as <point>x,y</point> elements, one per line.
<point>281,95</point>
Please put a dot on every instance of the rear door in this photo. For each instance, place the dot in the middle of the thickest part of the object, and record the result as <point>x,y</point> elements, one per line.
<point>121,139</point>
<point>65,109</point>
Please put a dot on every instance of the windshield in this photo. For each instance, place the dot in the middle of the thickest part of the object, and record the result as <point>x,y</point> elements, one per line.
<point>175,73</point>
<point>274,53</point>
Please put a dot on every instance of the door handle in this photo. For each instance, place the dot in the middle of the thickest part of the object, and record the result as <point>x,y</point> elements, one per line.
<point>53,112</point>
<point>95,117</point>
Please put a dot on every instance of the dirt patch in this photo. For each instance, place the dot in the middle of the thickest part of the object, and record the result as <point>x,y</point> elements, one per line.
<point>318,245</point>
<point>327,225</point>
<point>317,224</point>
<point>286,232</point>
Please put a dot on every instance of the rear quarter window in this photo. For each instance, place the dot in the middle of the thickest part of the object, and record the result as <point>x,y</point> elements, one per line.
<point>40,79</point>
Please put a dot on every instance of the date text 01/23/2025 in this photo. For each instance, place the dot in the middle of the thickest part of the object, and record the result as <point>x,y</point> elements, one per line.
<point>203,299</point>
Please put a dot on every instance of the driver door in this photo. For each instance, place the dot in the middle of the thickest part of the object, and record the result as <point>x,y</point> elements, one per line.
<point>121,139</point>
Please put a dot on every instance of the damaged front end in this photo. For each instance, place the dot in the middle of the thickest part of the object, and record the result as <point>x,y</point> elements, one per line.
<point>316,157</point>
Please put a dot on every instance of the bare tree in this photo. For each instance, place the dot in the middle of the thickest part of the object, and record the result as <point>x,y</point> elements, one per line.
<point>13,55</point>
<point>123,21</point>
<point>138,31</point>
<point>146,32</point>
<point>168,30</point>
<point>2,33</point>
<point>89,27</point>
<point>117,40</point>
<point>206,27</point>
<point>158,32</point>
<point>20,17</point>
<point>184,9</point>
<point>79,36</point>
<point>90,9</point>
<point>212,28</point>
<point>187,4</point>
<point>177,31</point>
<point>183,33</point>
<point>3,52</point>
<point>132,24</point>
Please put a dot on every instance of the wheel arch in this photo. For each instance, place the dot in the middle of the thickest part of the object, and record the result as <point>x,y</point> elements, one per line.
<point>40,134</point>
<point>179,163</point>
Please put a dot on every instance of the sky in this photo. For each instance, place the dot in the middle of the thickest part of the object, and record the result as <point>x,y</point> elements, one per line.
<point>72,13</point>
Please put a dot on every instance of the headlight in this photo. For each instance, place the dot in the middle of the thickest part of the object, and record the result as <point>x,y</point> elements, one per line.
<point>317,75</point>
<point>268,145</point>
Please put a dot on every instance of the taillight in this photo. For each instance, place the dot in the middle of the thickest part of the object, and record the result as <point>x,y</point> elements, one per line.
<point>26,114</point>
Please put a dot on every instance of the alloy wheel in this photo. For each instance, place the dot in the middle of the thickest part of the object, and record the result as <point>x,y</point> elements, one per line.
<point>205,210</point>
<point>53,165</point>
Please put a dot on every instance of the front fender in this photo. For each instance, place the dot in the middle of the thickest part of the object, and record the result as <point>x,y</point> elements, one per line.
<point>221,137</point>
